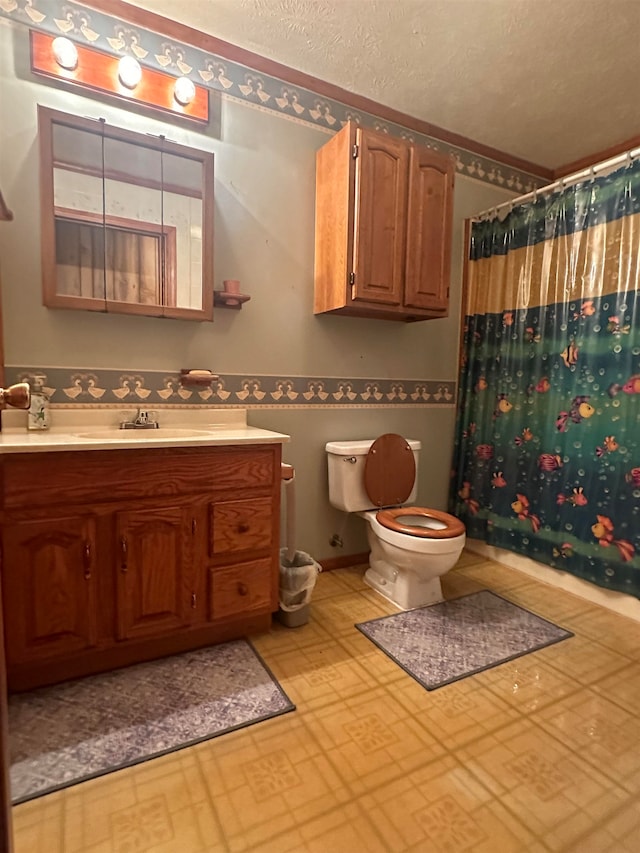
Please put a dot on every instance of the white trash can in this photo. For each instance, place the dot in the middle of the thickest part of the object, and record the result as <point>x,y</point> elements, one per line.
<point>297,580</point>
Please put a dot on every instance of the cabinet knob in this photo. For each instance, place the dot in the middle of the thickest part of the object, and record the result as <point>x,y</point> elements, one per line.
<point>243,589</point>
<point>243,528</point>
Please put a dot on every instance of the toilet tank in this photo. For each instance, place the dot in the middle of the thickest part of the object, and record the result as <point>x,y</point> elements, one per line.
<point>346,461</point>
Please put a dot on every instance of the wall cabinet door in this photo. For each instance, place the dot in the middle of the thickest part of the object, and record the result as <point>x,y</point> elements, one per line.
<point>383,227</point>
<point>153,592</point>
<point>429,217</point>
<point>49,588</point>
<point>380,219</point>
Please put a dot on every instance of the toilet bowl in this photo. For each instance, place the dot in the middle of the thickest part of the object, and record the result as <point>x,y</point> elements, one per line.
<point>411,546</point>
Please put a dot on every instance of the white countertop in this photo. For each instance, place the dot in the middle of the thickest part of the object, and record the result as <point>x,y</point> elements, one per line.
<point>98,429</point>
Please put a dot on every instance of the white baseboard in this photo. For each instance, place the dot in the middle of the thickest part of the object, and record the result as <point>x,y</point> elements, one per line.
<point>625,605</point>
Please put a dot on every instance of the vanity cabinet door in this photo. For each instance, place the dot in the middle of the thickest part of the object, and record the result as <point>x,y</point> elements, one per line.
<point>49,588</point>
<point>153,555</point>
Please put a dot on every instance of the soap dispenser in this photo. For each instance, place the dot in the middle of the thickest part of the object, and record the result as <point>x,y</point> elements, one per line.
<point>38,416</point>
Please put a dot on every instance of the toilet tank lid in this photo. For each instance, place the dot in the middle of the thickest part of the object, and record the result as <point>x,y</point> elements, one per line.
<point>360,447</point>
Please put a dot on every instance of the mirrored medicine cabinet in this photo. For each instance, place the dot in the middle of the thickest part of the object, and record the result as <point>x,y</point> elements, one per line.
<point>127,220</point>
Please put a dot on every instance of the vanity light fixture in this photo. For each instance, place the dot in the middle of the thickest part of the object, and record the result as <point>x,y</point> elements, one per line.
<point>65,53</point>
<point>184,91</point>
<point>129,72</point>
<point>121,77</point>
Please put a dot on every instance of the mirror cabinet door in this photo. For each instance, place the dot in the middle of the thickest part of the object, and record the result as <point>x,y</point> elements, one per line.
<point>137,255</point>
<point>127,221</point>
<point>78,216</point>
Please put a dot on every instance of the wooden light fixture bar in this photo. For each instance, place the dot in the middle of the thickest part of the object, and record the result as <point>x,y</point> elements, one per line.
<point>99,71</point>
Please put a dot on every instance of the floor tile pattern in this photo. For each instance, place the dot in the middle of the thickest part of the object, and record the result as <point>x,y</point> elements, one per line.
<point>540,754</point>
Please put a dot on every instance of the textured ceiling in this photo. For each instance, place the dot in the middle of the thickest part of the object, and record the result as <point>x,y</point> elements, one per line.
<point>549,81</point>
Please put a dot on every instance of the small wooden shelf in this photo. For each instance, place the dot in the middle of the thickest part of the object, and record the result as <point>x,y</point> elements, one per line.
<point>229,300</point>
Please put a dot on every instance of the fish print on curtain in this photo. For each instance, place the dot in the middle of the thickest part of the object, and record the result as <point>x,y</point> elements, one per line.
<point>547,450</point>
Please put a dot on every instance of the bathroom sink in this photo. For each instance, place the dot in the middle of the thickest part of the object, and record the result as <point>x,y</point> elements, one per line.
<point>115,434</point>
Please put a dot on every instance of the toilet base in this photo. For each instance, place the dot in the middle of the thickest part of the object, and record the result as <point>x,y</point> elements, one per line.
<point>404,592</point>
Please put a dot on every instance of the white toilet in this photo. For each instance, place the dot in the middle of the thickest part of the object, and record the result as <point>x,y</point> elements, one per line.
<point>411,547</point>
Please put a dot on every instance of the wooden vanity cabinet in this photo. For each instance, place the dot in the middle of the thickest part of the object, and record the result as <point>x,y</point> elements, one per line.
<point>383,227</point>
<point>114,557</point>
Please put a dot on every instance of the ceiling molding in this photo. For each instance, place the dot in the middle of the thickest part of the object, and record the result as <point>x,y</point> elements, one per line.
<point>598,157</point>
<point>203,41</point>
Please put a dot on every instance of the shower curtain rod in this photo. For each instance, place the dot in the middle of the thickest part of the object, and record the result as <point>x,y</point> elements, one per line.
<point>561,183</point>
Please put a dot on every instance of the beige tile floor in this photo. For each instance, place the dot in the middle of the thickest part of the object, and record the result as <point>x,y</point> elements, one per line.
<point>539,754</point>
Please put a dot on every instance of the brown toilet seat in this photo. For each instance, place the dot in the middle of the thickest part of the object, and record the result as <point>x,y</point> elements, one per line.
<point>389,470</point>
<point>389,476</point>
<point>454,527</point>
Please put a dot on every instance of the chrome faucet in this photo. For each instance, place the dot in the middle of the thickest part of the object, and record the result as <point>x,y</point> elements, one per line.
<point>143,420</point>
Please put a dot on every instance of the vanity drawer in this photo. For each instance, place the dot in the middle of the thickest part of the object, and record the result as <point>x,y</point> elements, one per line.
<point>240,589</point>
<point>240,525</point>
<point>99,476</point>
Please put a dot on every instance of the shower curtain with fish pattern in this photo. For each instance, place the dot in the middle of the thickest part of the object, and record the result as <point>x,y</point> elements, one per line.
<point>547,447</point>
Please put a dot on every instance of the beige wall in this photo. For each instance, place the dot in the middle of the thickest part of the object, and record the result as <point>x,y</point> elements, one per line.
<point>264,233</point>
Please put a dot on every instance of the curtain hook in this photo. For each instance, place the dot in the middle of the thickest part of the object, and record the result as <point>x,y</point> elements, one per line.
<point>592,173</point>
<point>535,194</point>
<point>628,159</point>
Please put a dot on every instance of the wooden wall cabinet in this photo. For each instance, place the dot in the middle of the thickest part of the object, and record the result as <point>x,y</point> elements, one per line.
<point>114,557</point>
<point>383,227</point>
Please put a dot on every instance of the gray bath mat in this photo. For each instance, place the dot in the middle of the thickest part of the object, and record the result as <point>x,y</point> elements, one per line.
<point>445,642</point>
<point>78,730</point>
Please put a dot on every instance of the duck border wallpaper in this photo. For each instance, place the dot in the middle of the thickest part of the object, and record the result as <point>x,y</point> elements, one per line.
<point>68,387</point>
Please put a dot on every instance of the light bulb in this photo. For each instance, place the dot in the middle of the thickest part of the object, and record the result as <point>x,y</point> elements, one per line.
<point>129,72</point>
<point>184,91</point>
<point>65,53</point>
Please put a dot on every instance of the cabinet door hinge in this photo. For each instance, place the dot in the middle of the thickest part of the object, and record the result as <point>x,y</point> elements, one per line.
<point>352,282</point>
<point>354,151</point>
<point>193,600</point>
